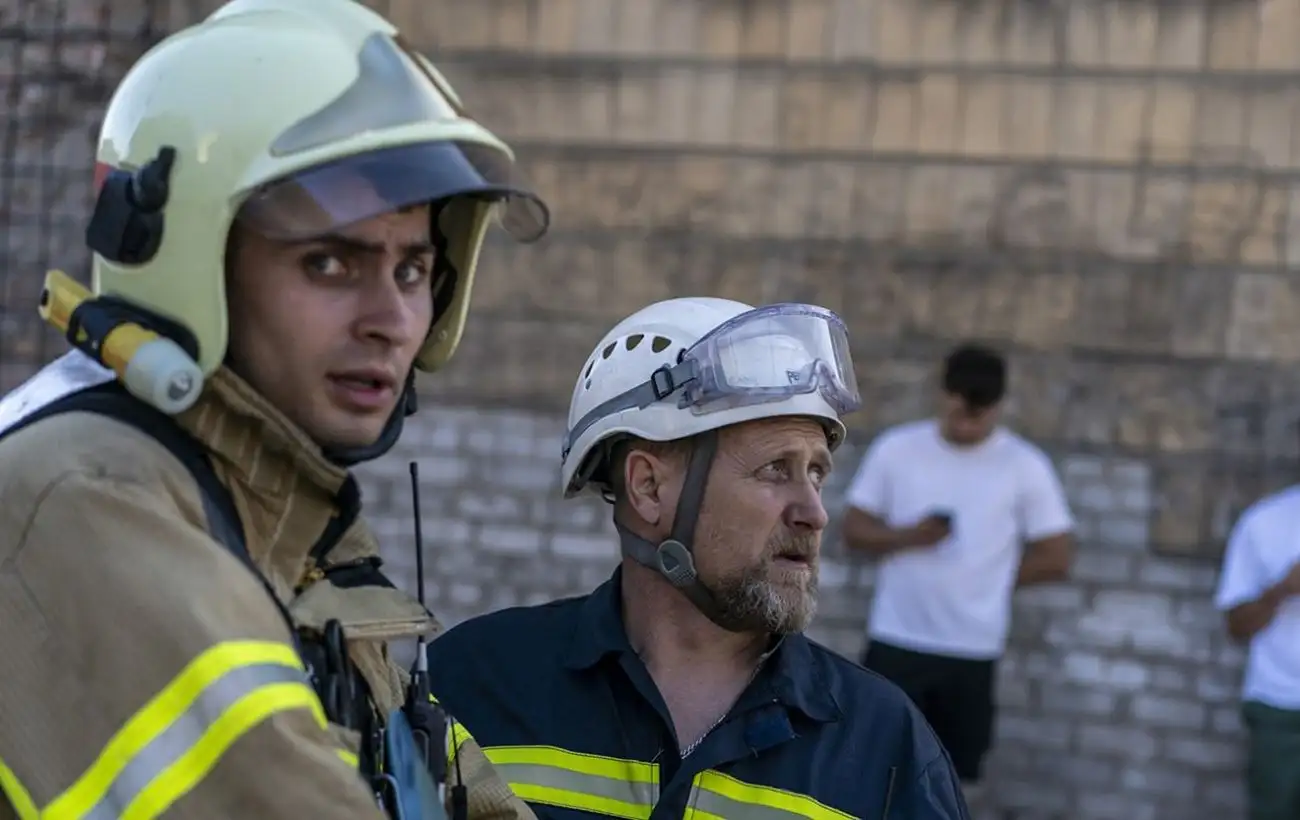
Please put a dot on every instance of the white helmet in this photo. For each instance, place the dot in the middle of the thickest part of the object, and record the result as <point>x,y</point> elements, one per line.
<point>685,366</point>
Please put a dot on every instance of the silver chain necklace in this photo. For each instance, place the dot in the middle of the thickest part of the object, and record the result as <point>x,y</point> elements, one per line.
<point>695,744</point>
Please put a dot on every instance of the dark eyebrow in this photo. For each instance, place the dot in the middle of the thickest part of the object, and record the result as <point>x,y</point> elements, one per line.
<point>356,245</point>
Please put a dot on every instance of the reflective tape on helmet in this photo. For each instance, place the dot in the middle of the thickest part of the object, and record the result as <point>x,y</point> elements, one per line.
<point>169,746</point>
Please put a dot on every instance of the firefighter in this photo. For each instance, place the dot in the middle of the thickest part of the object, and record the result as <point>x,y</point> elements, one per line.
<point>193,619</point>
<point>684,686</point>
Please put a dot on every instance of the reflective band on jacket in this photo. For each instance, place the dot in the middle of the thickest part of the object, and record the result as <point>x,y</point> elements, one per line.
<point>629,789</point>
<point>169,746</point>
<point>717,796</point>
<point>555,777</point>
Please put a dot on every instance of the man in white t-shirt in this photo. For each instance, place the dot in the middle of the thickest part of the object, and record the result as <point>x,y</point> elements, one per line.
<point>1259,591</point>
<point>960,512</point>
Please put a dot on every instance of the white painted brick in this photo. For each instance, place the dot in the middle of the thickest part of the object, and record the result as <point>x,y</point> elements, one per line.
<point>1201,752</point>
<point>439,471</point>
<point>446,532</point>
<point>1086,772</point>
<point>464,594</point>
<point>1016,693</point>
<point>1034,732</point>
<point>480,441</point>
<point>1052,597</point>
<point>593,575</point>
<point>493,507</point>
<point>835,575</point>
<point>1078,700</point>
<point>527,478</point>
<point>1218,686</point>
<point>1123,742</point>
<point>1094,806</point>
<point>583,546</point>
<point>1077,470</point>
<point>1169,711</point>
<point>1225,721</point>
<point>444,437</point>
<point>513,540</point>
<point>1029,795</point>
<point>1168,678</point>
<point>1106,566</point>
<point>1228,795</point>
<point>581,516</point>
<point>1177,575</point>
<point>1131,533</point>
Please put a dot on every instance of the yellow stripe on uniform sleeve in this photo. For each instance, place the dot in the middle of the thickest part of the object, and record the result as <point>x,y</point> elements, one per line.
<point>456,734</point>
<point>170,745</point>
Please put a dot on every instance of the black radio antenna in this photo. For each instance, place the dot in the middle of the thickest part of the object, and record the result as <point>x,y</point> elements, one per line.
<point>419,694</point>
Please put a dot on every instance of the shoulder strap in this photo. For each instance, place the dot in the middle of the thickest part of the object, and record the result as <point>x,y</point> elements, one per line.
<point>224,524</point>
<point>113,401</point>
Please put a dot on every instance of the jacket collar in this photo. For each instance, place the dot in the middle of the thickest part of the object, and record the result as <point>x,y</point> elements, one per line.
<point>795,674</point>
<point>289,491</point>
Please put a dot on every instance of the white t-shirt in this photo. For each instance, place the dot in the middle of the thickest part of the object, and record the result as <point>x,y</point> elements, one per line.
<point>1263,546</point>
<point>955,598</point>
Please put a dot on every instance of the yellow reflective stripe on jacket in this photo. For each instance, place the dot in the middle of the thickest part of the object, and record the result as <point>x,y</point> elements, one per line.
<point>716,796</point>
<point>456,735</point>
<point>18,797</point>
<point>555,777</point>
<point>171,744</point>
<point>350,758</point>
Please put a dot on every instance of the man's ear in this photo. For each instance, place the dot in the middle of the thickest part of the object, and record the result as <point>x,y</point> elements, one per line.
<point>646,479</point>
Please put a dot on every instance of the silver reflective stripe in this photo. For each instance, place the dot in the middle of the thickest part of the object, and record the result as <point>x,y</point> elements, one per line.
<point>186,731</point>
<point>579,783</point>
<point>721,796</point>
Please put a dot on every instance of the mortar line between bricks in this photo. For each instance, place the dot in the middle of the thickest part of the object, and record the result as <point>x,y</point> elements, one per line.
<point>512,60</point>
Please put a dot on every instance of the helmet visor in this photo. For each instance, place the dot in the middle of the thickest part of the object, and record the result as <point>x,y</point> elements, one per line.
<point>323,199</point>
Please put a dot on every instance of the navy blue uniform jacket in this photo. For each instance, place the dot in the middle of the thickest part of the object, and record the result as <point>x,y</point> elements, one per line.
<point>562,705</point>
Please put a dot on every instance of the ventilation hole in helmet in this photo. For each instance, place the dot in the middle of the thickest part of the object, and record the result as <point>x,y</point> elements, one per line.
<point>587,386</point>
<point>632,341</point>
<point>590,365</point>
<point>605,354</point>
<point>659,344</point>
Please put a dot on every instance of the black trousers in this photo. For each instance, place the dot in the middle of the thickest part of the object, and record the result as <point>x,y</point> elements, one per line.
<point>954,694</point>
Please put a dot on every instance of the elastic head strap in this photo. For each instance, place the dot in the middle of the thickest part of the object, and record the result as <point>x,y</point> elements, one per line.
<point>672,558</point>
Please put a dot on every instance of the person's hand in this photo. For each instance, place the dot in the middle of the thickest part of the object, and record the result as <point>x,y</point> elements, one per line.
<point>1290,583</point>
<point>928,531</point>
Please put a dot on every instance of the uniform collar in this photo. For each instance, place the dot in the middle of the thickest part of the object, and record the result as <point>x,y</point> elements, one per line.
<point>290,489</point>
<point>796,676</point>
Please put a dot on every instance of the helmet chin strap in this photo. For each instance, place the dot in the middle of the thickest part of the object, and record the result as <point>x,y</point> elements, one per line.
<point>672,557</point>
<point>406,406</point>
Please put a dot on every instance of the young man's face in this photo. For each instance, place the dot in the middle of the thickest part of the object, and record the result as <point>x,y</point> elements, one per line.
<point>965,425</point>
<point>328,329</point>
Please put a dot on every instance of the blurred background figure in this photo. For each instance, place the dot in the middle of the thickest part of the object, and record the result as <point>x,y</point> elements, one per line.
<point>1259,591</point>
<point>960,511</point>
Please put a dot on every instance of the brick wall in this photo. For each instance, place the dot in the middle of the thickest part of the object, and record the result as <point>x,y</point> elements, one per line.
<point>1103,189</point>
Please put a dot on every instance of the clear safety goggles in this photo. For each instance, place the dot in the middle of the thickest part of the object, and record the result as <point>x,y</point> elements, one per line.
<point>394,87</point>
<point>765,355</point>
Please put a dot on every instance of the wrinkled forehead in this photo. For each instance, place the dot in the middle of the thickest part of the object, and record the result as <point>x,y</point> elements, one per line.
<point>778,434</point>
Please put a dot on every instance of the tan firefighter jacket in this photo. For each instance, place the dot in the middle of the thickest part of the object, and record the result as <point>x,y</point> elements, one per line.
<point>144,671</point>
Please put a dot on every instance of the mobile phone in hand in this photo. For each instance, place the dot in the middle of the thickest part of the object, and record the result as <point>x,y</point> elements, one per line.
<point>943,516</point>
